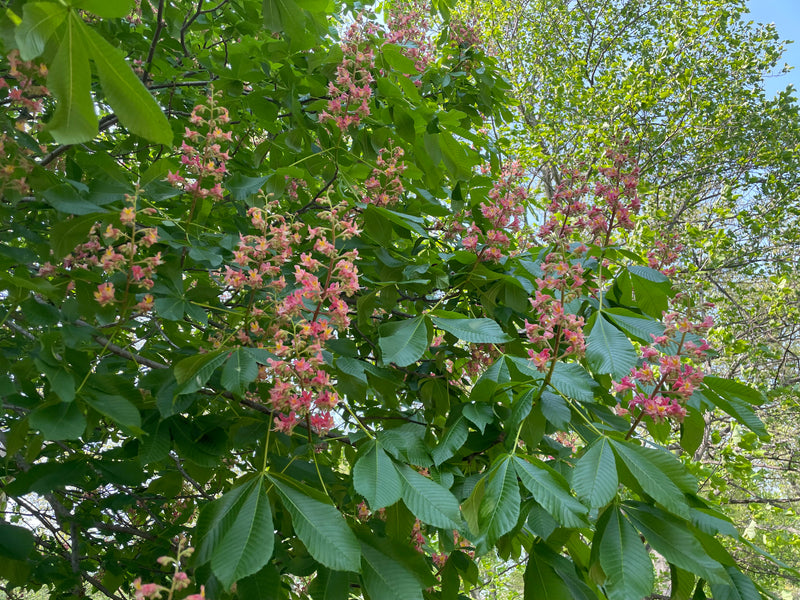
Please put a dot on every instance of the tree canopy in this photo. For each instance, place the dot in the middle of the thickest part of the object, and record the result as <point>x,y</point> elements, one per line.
<point>283,318</point>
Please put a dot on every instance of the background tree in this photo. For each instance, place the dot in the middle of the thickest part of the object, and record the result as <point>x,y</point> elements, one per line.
<point>277,303</point>
<point>683,84</point>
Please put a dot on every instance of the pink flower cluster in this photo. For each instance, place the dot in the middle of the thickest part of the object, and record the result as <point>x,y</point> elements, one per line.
<point>27,93</point>
<point>571,216</point>
<point>350,93</point>
<point>384,186</point>
<point>665,380</point>
<point>664,254</point>
<point>560,332</point>
<point>502,214</point>
<point>24,97</point>
<point>201,151</point>
<point>409,27</point>
<point>179,579</point>
<point>116,250</point>
<point>464,33</point>
<point>300,314</point>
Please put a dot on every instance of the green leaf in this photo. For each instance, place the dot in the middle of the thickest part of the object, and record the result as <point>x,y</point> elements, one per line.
<point>542,582</point>
<point>265,585</point>
<point>386,578</point>
<point>453,438</point>
<point>640,327</point>
<point>648,274</point>
<point>242,187</point>
<point>375,478</point>
<point>428,501</point>
<point>235,532</point>
<point>490,381</point>
<point>499,509</point>
<point>736,399</point>
<point>116,408</point>
<point>39,21</point>
<point>404,342</point>
<point>480,414</point>
<point>475,331</point>
<point>573,381</point>
<point>66,199</point>
<point>192,373</point>
<point>741,588</point>
<point>69,79</point>
<point>67,234</point>
<point>240,370</point>
<point>608,350</point>
<point>550,489</point>
<point>319,525</point>
<point>108,9</point>
<point>135,107</point>
<point>16,542</point>
<point>555,409</point>
<point>650,476</point>
<point>623,557</point>
<point>329,585</point>
<point>674,540</point>
<point>58,420</point>
<point>394,57</point>
<point>595,475</point>
<point>652,290</point>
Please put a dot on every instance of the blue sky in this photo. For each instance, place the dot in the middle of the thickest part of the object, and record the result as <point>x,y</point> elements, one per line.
<point>786,16</point>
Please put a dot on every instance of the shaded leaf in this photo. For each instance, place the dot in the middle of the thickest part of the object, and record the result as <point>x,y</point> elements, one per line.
<point>386,578</point>
<point>499,508</point>
<point>133,104</point>
<point>595,475</point>
<point>550,489</point>
<point>375,478</point>
<point>404,342</point>
<point>428,501</point>
<point>623,557</point>
<point>608,350</point>
<point>475,331</point>
<point>319,525</point>
<point>235,532</point>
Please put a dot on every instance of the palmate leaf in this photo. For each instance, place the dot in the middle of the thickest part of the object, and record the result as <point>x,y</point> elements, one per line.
<point>608,350</point>
<point>499,508</point>
<point>428,501</point>
<point>319,525</point>
<point>375,478</point>
<point>404,342</point>
<point>475,331</point>
<point>235,532</point>
<point>623,557</point>
<point>550,489</point>
<point>595,475</point>
<point>651,473</point>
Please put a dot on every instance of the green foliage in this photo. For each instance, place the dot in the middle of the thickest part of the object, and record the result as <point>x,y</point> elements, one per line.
<point>303,339</point>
